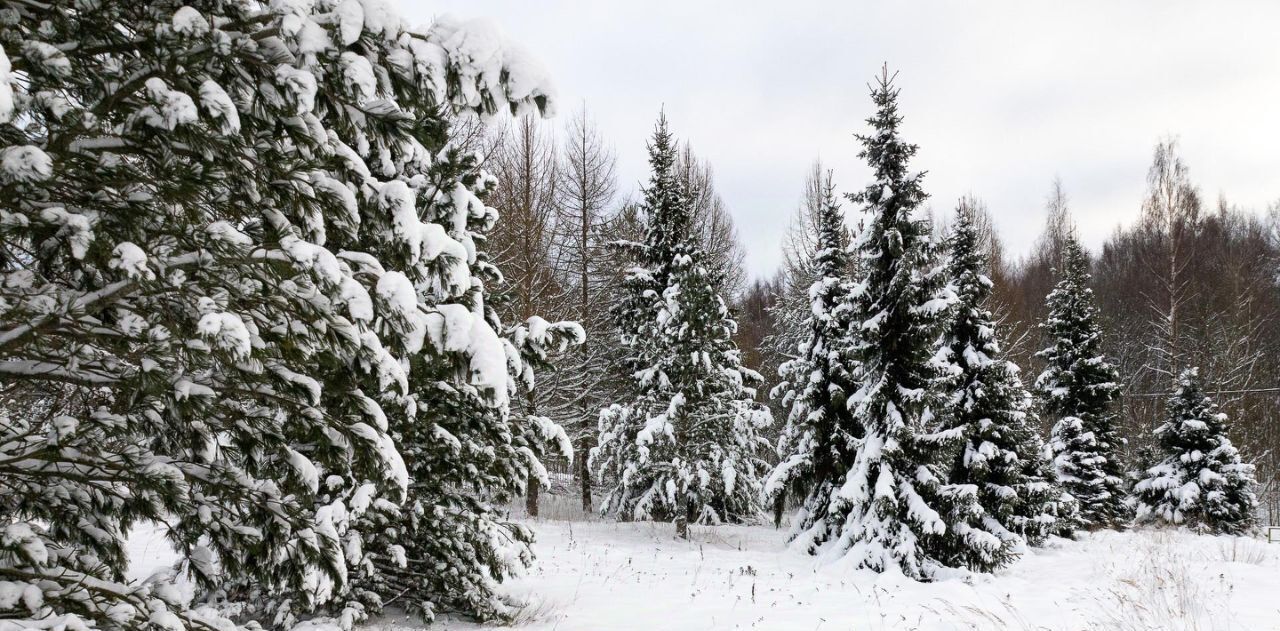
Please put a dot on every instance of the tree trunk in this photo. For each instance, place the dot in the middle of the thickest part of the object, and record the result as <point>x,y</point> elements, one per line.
<point>779,505</point>
<point>584,478</point>
<point>682,527</point>
<point>531,498</point>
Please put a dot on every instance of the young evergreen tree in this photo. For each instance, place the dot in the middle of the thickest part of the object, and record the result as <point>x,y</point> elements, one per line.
<point>893,507</point>
<point>1201,483</point>
<point>685,448</point>
<point>1077,388</point>
<point>820,436</point>
<point>1003,456</point>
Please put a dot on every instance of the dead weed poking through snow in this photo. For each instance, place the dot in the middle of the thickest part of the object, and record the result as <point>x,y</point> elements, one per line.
<point>1244,550</point>
<point>1159,586</point>
<point>976,618</point>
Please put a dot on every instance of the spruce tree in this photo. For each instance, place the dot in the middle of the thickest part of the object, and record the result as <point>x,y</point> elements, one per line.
<point>685,447</point>
<point>1002,455</point>
<point>821,432</point>
<point>893,509</point>
<point>1077,388</point>
<point>1201,483</point>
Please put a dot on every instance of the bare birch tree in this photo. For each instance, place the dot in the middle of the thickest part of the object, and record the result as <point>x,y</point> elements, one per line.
<point>1170,218</point>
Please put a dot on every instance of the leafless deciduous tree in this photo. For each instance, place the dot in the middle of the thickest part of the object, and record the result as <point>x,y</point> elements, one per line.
<point>1019,295</point>
<point>799,245</point>
<point>714,223</point>
<point>1170,220</point>
<point>587,186</point>
<point>523,243</point>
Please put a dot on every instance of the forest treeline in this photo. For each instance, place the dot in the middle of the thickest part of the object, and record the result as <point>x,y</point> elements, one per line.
<point>272,283</point>
<point>1188,281</point>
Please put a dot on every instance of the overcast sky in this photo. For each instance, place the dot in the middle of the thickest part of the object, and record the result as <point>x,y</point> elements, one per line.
<point>1000,96</point>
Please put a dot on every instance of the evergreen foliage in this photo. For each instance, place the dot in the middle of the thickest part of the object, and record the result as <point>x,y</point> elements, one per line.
<point>893,508</point>
<point>1078,388</point>
<point>821,432</point>
<point>241,284</point>
<point>1002,456</point>
<point>1201,483</point>
<point>685,447</point>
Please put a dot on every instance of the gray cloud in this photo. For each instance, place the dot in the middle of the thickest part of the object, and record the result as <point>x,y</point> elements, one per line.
<point>1000,96</point>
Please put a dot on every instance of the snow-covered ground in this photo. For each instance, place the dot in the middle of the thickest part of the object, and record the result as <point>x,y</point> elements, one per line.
<point>594,575</point>
<point>597,575</point>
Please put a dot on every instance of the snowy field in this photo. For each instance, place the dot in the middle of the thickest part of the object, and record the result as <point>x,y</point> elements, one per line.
<point>595,575</point>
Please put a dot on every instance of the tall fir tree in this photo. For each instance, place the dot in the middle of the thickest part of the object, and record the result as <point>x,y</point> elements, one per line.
<point>821,432</point>
<point>686,447</point>
<point>1002,455</point>
<point>893,508</point>
<point>1078,388</point>
<point>1201,483</point>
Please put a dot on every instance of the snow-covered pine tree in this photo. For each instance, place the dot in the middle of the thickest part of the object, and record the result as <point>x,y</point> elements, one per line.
<point>447,546</point>
<point>893,508</point>
<point>819,439</point>
<point>169,303</point>
<point>229,233</point>
<point>1201,483</point>
<point>1002,456</point>
<point>1077,389</point>
<point>467,452</point>
<point>685,448</point>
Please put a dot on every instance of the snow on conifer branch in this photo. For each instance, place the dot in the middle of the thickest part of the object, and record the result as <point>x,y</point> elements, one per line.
<point>238,260</point>
<point>1201,481</point>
